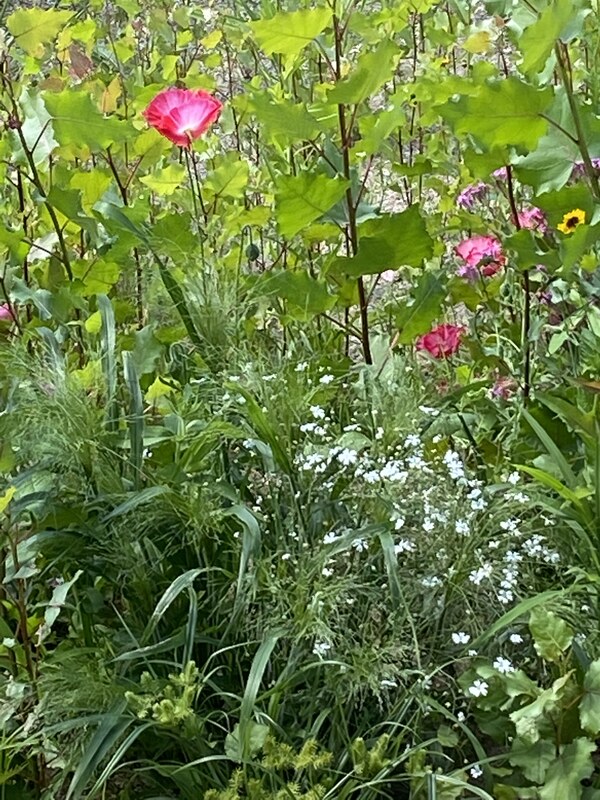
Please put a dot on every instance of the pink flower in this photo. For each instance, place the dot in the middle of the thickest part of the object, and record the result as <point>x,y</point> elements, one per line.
<point>534,219</point>
<point>501,173</point>
<point>182,115</point>
<point>471,194</point>
<point>482,255</point>
<point>504,388</point>
<point>6,315</point>
<point>442,341</point>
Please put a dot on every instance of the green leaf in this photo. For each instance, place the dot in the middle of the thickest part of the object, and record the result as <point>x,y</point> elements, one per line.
<point>563,780</point>
<point>589,708</point>
<point>389,242</point>
<point>259,664</point>
<point>35,27</point>
<point>280,117</point>
<point>551,635</point>
<point>230,177</point>
<point>531,719</point>
<point>305,295</point>
<point>36,127</point>
<point>532,759</point>
<point>372,70</point>
<point>166,181</point>
<point>301,199</point>
<point>289,32</point>
<point>538,40</point>
<point>417,318</point>
<point>503,113</point>
<point>78,122</point>
<point>97,277</point>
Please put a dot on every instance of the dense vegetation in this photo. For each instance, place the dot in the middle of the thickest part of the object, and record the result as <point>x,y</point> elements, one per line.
<point>299,421</point>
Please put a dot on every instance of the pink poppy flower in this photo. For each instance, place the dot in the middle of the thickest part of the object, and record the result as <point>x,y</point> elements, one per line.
<point>534,219</point>
<point>482,255</point>
<point>442,341</point>
<point>182,115</point>
<point>6,315</point>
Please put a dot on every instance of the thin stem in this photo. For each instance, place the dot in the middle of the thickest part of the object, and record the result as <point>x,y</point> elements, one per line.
<point>526,291</point>
<point>351,206</point>
<point>562,55</point>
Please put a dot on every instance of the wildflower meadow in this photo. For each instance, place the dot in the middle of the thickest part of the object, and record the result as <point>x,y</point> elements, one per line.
<point>299,400</point>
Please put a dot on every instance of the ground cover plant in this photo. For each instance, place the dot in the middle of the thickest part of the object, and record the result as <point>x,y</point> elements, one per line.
<point>299,375</point>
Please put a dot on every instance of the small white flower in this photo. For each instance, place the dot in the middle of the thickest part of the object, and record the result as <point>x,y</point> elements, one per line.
<point>503,665</point>
<point>412,440</point>
<point>347,457</point>
<point>404,546</point>
<point>472,653</point>
<point>317,412</point>
<point>461,717</point>
<point>269,378</point>
<point>428,526</point>
<point>431,581</point>
<point>432,412</point>
<point>360,545</point>
<point>330,538</point>
<point>479,688</point>
<point>462,527</point>
<point>513,478</point>
<point>476,771</point>
<point>520,497</point>
<point>379,433</point>
<point>399,523</point>
<point>326,379</point>
<point>505,596</point>
<point>516,638</point>
<point>477,576</point>
<point>286,556</point>
<point>461,638</point>
<point>320,648</point>
<point>327,572</point>
<point>303,365</point>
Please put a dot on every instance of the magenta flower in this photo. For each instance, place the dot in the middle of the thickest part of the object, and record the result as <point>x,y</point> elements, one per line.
<point>182,115</point>
<point>6,315</point>
<point>501,173</point>
<point>442,341</point>
<point>534,219</point>
<point>483,255</point>
<point>471,194</point>
<point>579,168</point>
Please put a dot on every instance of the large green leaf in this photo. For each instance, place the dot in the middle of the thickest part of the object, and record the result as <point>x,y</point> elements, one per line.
<point>389,242</point>
<point>538,39</point>
<point>589,708</point>
<point>230,176</point>
<point>533,759</point>
<point>373,70</point>
<point>35,27</point>
<point>417,318</point>
<point>288,32</point>
<point>502,113</point>
<point>280,117</point>
<point>305,296</point>
<point>551,635</point>
<point>36,127</point>
<point>563,780</point>
<point>165,181</point>
<point>301,199</point>
<point>78,122</point>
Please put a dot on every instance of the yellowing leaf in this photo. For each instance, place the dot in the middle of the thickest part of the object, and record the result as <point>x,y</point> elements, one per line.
<point>6,498</point>
<point>93,323</point>
<point>478,42</point>
<point>212,39</point>
<point>288,32</point>
<point>35,27</point>
<point>165,181</point>
<point>157,390</point>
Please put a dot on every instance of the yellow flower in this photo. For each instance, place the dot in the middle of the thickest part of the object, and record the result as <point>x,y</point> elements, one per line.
<point>572,220</point>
